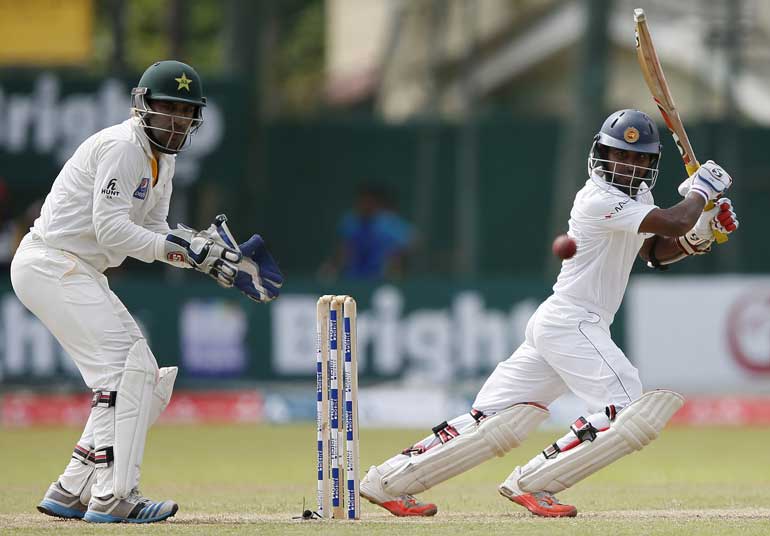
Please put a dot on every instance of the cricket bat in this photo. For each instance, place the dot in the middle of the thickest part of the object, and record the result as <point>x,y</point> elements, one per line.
<point>656,81</point>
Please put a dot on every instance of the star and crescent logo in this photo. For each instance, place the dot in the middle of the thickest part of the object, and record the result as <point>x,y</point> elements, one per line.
<point>184,82</point>
<point>631,135</point>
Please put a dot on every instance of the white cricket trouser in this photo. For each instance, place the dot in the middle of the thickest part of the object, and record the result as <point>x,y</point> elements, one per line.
<point>75,303</point>
<point>567,347</point>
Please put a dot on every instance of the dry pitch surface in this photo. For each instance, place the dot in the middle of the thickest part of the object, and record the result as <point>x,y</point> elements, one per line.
<point>252,480</point>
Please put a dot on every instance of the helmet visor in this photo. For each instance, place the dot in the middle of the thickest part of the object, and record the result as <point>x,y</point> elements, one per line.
<point>169,132</point>
<point>630,179</point>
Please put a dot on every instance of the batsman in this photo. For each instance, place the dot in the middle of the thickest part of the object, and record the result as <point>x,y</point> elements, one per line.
<point>110,201</point>
<point>567,345</point>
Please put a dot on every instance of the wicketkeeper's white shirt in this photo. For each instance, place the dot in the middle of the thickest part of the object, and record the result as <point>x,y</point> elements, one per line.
<point>605,224</point>
<point>103,206</point>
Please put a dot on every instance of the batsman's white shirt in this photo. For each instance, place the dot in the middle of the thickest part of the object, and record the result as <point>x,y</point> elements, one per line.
<point>605,224</point>
<point>103,206</point>
<point>567,345</point>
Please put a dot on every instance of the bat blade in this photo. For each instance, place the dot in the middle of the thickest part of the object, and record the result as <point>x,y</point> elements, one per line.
<point>661,94</point>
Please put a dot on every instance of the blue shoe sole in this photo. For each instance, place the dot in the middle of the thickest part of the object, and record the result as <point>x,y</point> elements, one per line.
<point>53,509</point>
<point>95,517</point>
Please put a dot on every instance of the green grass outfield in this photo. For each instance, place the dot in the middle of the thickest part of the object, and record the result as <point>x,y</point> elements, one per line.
<point>252,480</point>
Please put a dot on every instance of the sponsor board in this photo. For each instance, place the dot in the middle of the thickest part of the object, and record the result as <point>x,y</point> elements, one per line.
<point>213,328</point>
<point>705,335</point>
<point>724,411</point>
<point>49,115</point>
<point>404,333</point>
<point>34,409</point>
<point>380,407</point>
<point>428,345</point>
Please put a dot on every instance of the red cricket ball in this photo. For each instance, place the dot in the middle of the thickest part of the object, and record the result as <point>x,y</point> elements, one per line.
<point>564,247</point>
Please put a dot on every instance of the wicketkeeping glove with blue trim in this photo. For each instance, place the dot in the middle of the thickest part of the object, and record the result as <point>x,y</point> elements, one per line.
<point>258,277</point>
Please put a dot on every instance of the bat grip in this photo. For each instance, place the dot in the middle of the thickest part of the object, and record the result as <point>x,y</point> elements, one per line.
<point>720,237</point>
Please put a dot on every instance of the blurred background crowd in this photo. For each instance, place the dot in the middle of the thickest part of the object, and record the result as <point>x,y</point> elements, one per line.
<point>417,154</point>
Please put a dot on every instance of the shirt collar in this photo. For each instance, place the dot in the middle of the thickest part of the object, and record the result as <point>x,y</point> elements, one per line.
<point>136,126</point>
<point>144,141</point>
<point>600,182</point>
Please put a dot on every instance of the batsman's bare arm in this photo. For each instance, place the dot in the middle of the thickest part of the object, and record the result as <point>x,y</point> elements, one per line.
<point>668,224</point>
<point>675,221</point>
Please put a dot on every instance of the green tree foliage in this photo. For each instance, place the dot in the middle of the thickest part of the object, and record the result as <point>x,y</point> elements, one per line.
<point>147,33</point>
<point>292,33</point>
<point>298,69</point>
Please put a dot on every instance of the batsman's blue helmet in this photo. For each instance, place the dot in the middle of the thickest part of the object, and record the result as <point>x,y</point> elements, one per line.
<point>628,130</point>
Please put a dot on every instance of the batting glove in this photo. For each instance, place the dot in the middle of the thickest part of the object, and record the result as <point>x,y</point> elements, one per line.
<point>725,221</point>
<point>710,181</point>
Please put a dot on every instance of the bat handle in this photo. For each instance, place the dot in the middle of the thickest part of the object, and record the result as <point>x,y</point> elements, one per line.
<point>720,237</point>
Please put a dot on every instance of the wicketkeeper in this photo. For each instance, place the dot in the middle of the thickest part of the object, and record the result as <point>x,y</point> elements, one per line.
<point>110,201</point>
<point>567,344</point>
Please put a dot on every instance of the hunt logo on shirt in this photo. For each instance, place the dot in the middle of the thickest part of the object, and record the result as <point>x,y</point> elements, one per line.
<point>617,209</point>
<point>141,191</point>
<point>111,190</point>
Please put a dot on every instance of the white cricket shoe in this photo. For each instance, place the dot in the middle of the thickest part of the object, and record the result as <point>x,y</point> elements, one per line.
<point>540,503</point>
<point>402,506</point>
<point>132,509</point>
<point>58,502</point>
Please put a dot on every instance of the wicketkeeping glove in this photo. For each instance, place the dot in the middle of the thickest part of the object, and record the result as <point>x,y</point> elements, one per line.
<point>187,247</point>
<point>258,277</point>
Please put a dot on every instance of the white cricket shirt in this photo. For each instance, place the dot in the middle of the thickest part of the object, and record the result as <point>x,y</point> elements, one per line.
<point>103,206</point>
<point>605,224</point>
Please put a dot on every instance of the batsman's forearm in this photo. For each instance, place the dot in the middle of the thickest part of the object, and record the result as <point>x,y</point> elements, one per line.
<point>684,214</point>
<point>668,250</point>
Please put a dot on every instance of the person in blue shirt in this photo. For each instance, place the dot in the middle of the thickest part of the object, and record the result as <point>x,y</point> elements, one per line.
<point>374,239</point>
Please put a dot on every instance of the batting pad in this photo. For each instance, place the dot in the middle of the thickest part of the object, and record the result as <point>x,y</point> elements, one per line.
<point>132,416</point>
<point>635,426</point>
<point>493,436</point>
<point>161,396</point>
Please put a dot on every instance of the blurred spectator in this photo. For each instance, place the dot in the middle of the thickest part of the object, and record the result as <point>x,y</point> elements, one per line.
<point>373,240</point>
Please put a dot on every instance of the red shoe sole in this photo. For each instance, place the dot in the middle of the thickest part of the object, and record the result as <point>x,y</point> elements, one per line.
<point>531,504</point>
<point>397,509</point>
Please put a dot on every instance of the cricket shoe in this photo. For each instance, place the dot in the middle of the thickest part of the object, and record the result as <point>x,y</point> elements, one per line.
<point>540,503</point>
<point>402,506</point>
<point>58,502</point>
<point>132,509</point>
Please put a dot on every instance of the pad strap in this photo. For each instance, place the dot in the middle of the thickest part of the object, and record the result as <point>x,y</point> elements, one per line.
<point>445,432</point>
<point>477,415</point>
<point>551,451</point>
<point>583,430</point>
<point>102,457</point>
<point>103,399</point>
<point>82,454</point>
